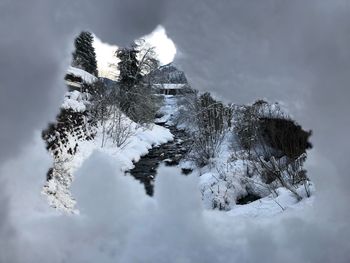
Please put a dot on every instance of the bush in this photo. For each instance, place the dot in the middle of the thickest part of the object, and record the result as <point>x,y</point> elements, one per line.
<point>211,123</point>
<point>284,135</point>
<point>276,144</point>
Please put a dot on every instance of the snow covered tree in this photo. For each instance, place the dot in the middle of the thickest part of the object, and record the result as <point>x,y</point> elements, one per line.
<point>147,58</point>
<point>84,56</point>
<point>129,77</point>
<point>282,151</point>
<point>211,124</point>
<point>276,145</point>
<point>246,124</point>
<point>137,99</point>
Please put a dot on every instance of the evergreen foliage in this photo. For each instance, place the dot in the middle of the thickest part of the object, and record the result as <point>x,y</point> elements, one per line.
<point>84,56</point>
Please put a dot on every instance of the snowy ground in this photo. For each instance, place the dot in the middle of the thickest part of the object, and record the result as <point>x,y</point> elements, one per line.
<point>272,205</point>
<point>221,183</point>
<point>138,145</point>
<point>140,140</point>
<point>168,110</point>
<point>224,180</point>
<point>116,216</point>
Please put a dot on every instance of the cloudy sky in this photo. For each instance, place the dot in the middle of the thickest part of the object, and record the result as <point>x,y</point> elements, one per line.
<point>105,52</point>
<point>296,52</point>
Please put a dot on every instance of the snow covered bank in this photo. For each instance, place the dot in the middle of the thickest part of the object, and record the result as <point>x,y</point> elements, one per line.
<point>58,188</point>
<point>240,152</point>
<point>224,182</point>
<point>272,205</point>
<point>75,136</point>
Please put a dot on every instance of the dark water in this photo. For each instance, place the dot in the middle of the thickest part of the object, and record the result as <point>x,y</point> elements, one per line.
<point>247,199</point>
<point>170,154</point>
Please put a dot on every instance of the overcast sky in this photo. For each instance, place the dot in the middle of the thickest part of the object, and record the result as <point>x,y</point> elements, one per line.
<point>292,51</point>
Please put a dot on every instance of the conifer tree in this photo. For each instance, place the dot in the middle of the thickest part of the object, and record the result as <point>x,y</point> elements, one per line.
<point>129,77</point>
<point>84,56</point>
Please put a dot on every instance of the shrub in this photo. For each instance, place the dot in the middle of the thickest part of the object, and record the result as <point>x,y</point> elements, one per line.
<point>211,123</point>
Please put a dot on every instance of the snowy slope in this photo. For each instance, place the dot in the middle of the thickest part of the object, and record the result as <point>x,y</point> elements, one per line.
<point>75,100</point>
<point>272,205</point>
<point>58,191</point>
<point>68,161</point>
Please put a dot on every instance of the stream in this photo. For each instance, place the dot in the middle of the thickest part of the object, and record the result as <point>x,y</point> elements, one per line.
<point>169,153</point>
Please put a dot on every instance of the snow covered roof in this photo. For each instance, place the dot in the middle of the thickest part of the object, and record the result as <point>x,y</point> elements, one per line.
<point>85,76</point>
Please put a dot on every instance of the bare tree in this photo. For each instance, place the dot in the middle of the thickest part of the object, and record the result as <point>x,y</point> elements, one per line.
<point>210,118</point>
<point>246,124</point>
<point>105,107</point>
<point>137,98</point>
<point>119,129</point>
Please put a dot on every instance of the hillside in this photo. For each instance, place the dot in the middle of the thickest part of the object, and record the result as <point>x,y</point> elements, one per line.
<point>168,74</point>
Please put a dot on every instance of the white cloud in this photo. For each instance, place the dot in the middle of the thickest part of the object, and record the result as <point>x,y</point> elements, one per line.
<point>106,58</point>
<point>164,46</point>
<point>105,53</point>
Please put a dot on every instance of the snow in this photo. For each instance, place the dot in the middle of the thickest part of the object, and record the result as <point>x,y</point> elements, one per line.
<point>222,186</point>
<point>317,59</point>
<point>76,101</point>
<point>141,140</point>
<point>168,109</point>
<point>271,205</point>
<point>224,180</point>
<point>86,76</point>
<point>139,145</point>
<point>113,215</point>
<point>116,216</point>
